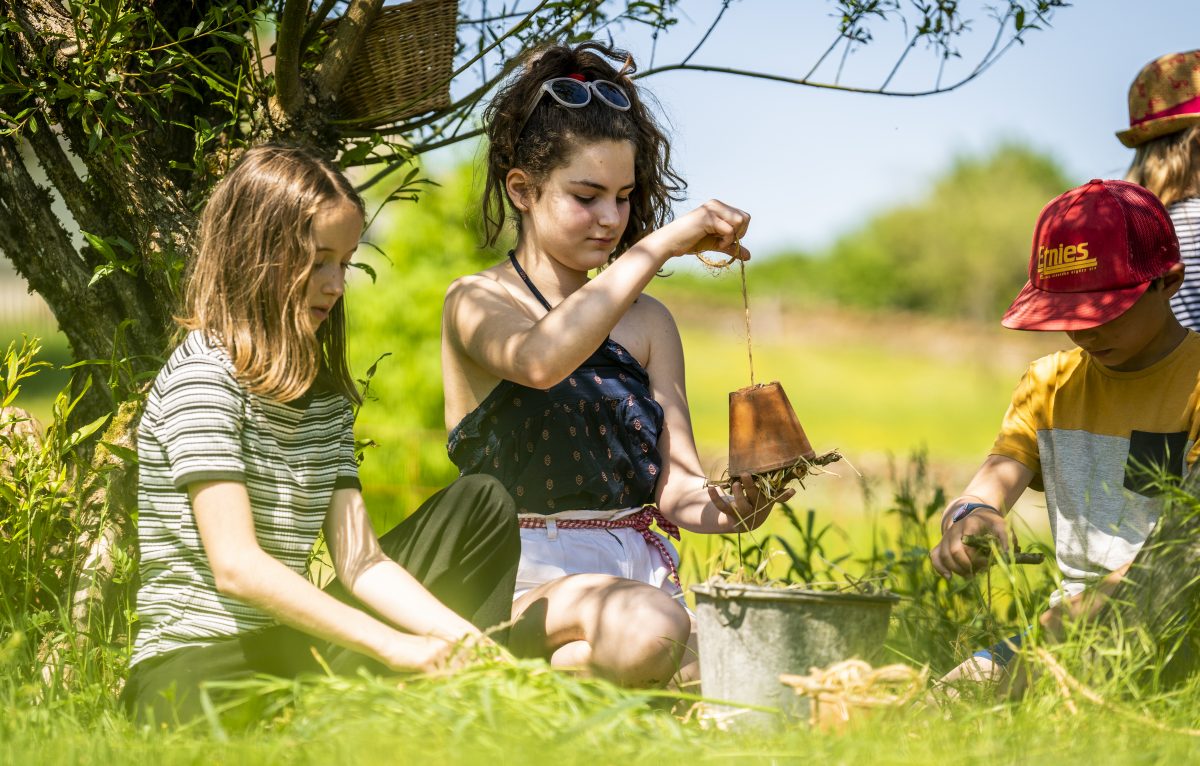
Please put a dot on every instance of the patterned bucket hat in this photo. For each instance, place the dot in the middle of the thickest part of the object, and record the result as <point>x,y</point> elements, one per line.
<point>1164,98</point>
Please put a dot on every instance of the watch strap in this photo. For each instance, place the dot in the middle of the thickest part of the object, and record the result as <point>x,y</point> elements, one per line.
<point>968,508</point>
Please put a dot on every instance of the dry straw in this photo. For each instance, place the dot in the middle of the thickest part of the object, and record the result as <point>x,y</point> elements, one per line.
<point>850,688</point>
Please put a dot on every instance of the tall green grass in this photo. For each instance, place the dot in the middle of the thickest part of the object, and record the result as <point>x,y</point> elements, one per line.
<point>57,687</point>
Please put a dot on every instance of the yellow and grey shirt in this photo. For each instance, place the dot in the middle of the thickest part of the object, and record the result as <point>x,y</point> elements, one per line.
<point>201,425</point>
<point>1098,441</point>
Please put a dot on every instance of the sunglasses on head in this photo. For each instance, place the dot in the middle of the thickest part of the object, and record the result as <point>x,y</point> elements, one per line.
<point>574,92</point>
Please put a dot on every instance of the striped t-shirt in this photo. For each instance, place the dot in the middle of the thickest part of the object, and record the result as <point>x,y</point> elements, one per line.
<point>1098,441</point>
<point>201,425</point>
<point>1185,214</point>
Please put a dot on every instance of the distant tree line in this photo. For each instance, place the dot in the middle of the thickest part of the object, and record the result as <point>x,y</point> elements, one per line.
<point>961,250</point>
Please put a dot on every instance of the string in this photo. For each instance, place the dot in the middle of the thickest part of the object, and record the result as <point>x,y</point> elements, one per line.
<point>746,304</point>
<point>715,266</point>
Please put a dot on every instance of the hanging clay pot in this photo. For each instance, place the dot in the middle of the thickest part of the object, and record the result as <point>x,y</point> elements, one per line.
<point>764,432</point>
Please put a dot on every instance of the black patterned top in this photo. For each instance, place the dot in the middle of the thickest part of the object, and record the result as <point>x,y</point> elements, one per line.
<point>589,442</point>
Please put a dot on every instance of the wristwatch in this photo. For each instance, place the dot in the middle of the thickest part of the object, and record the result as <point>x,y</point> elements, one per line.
<point>968,508</point>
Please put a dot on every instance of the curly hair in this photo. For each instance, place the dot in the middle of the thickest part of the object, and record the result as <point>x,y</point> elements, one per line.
<point>547,139</point>
<point>246,286</point>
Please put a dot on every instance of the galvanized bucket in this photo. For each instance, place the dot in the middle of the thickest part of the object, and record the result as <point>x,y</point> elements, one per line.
<point>750,634</point>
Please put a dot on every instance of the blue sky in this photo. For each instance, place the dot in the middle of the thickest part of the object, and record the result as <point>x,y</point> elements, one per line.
<point>809,164</point>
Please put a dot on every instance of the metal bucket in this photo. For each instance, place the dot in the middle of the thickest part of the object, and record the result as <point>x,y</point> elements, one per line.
<point>750,634</point>
<point>764,432</point>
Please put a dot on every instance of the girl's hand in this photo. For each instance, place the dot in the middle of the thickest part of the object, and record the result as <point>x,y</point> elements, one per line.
<point>746,504</point>
<point>424,654</point>
<point>714,226</point>
<point>431,654</point>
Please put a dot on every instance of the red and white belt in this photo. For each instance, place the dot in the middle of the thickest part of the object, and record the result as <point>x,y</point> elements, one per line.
<point>639,520</point>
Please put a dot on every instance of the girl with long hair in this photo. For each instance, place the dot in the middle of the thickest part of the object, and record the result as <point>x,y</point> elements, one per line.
<point>246,452</point>
<point>570,388</point>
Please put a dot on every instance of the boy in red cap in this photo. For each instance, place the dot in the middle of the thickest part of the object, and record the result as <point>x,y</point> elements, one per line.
<point>1094,426</point>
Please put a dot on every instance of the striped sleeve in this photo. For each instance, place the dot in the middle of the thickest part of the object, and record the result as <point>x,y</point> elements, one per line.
<point>1185,214</point>
<point>347,477</point>
<point>202,413</point>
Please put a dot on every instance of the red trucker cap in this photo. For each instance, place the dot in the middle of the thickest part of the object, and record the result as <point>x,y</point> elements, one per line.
<point>1096,249</point>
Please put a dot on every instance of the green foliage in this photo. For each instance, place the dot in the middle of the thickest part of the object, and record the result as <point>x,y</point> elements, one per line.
<point>960,251</point>
<point>939,622</point>
<point>416,252</point>
<point>963,251</point>
<point>39,492</point>
<point>129,64</point>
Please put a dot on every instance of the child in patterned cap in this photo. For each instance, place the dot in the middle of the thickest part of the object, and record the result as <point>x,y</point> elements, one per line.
<point>1164,131</point>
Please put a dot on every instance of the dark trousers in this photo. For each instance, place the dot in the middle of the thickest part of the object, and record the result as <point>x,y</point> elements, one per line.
<point>462,544</point>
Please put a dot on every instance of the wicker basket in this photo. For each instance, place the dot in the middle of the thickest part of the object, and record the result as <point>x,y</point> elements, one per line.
<point>404,65</point>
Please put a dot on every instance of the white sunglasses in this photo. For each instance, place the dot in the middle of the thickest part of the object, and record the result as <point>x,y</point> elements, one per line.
<point>577,93</point>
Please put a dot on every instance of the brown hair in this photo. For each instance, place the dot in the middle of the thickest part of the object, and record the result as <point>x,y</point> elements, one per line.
<point>547,139</point>
<point>246,287</point>
<point>1169,166</point>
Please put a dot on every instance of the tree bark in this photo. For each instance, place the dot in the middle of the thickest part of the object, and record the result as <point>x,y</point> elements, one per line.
<point>335,64</point>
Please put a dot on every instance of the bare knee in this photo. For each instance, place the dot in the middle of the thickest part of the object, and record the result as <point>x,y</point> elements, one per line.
<point>637,634</point>
<point>640,637</point>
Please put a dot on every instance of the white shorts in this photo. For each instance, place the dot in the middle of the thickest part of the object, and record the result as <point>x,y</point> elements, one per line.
<point>548,554</point>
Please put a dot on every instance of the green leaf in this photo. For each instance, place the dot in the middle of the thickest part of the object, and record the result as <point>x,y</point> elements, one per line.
<point>356,154</point>
<point>366,269</point>
<point>102,271</point>
<point>231,37</point>
<point>128,456</point>
<point>100,245</point>
<point>371,370</point>
<point>13,370</point>
<point>85,431</point>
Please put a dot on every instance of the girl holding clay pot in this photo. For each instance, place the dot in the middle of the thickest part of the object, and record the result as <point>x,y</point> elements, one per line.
<point>570,389</point>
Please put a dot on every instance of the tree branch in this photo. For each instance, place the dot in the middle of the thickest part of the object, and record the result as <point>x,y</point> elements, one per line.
<point>47,26</point>
<point>61,172</point>
<point>288,95</point>
<point>315,20</point>
<point>808,83</point>
<point>35,241</point>
<point>711,27</point>
<point>346,41</point>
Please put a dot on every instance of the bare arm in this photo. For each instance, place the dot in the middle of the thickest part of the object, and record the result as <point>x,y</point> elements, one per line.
<point>682,495</point>
<point>479,321</point>
<point>380,583</point>
<point>999,483</point>
<point>243,570</point>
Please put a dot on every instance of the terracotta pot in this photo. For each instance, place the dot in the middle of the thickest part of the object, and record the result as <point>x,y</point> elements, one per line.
<point>764,432</point>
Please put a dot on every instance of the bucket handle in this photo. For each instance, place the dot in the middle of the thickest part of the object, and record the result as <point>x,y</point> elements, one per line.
<point>731,612</point>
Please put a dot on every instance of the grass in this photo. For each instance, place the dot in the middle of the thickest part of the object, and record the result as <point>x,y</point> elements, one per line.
<point>872,387</point>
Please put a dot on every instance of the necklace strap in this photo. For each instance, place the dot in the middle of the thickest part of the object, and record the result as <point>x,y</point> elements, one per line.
<point>512,257</point>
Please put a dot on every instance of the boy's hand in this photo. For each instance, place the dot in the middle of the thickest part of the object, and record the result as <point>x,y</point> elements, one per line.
<point>1082,605</point>
<point>953,556</point>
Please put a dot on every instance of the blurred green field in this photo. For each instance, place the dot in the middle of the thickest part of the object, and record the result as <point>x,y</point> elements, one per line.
<point>876,387</point>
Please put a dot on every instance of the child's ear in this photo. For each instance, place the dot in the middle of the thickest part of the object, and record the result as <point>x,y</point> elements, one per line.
<point>520,189</point>
<point>1172,279</point>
